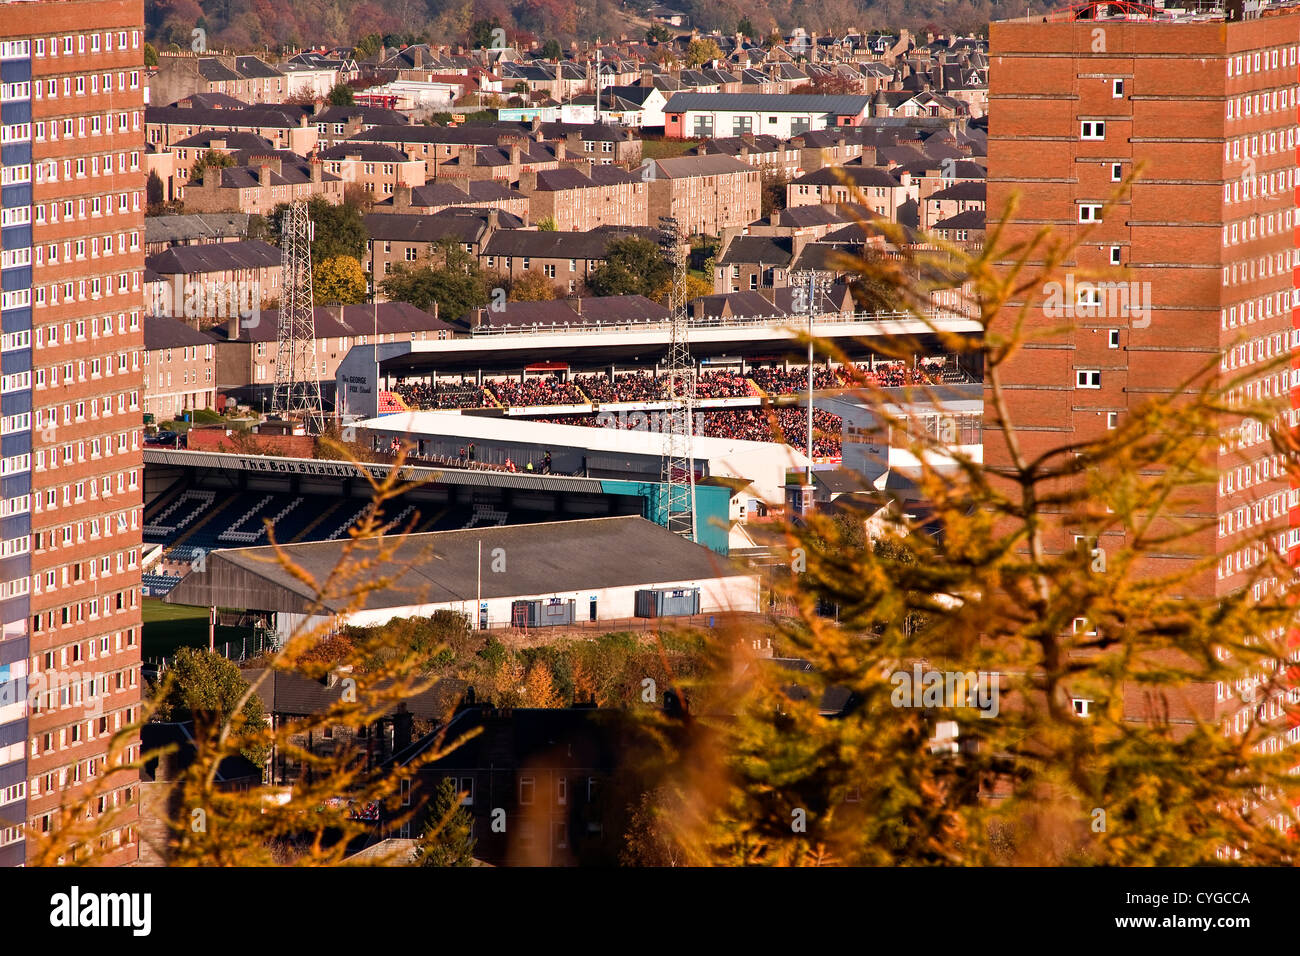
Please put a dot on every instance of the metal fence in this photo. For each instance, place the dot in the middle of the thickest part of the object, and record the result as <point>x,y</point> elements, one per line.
<point>723,322</point>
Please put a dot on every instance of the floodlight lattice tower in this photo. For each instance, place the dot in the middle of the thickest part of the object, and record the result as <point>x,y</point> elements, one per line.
<point>297,386</point>
<point>677,472</point>
<point>811,292</point>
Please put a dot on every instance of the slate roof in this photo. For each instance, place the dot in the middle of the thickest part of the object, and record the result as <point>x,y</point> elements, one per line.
<point>369,115</point>
<point>540,244</point>
<point>339,321</point>
<point>232,140</point>
<point>861,176</point>
<point>293,694</point>
<point>367,152</point>
<point>465,225</point>
<point>684,167</point>
<point>970,219</point>
<point>164,332</point>
<point>202,225</point>
<point>446,194</point>
<point>964,190</point>
<point>214,257</point>
<point>772,250</point>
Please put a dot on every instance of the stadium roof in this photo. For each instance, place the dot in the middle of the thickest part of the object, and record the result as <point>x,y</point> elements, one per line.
<point>319,468</point>
<point>626,441</point>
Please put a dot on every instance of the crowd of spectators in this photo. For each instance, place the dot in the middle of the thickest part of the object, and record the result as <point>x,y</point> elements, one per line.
<point>722,384</point>
<point>421,395</point>
<point>754,424</point>
<point>748,424</point>
<point>625,387</point>
<point>641,387</point>
<point>545,390</point>
<point>777,381</point>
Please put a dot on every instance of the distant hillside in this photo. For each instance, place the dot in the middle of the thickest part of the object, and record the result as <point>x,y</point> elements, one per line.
<point>252,24</point>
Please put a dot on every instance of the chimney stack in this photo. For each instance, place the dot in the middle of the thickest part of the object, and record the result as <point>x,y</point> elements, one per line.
<point>402,196</point>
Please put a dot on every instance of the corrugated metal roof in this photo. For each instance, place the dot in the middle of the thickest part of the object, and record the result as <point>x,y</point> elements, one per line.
<point>442,567</point>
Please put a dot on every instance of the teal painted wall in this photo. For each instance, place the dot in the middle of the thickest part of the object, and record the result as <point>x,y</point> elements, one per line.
<point>712,508</point>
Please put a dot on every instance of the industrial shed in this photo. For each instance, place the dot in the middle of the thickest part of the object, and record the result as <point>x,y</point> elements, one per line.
<point>598,564</point>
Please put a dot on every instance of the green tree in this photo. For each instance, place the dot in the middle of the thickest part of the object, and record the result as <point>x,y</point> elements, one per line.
<point>368,46</point>
<point>153,189</point>
<point>205,687</point>
<point>702,51</point>
<point>340,229</point>
<point>773,183</point>
<point>551,50</point>
<point>150,55</point>
<point>209,160</point>
<point>632,266</point>
<point>745,28</point>
<point>481,33</point>
<point>340,95</point>
<point>547,224</point>
<point>339,280</point>
<point>455,281</point>
<point>446,838</point>
<point>658,33</point>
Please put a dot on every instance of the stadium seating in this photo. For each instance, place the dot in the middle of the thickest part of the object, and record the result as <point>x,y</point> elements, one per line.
<point>486,516</point>
<point>187,506</point>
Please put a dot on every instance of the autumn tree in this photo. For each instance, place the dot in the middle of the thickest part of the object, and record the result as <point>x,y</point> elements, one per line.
<point>339,279</point>
<point>539,686</point>
<point>702,51</point>
<point>533,287</point>
<point>695,288</point>
<point>772,182</point>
